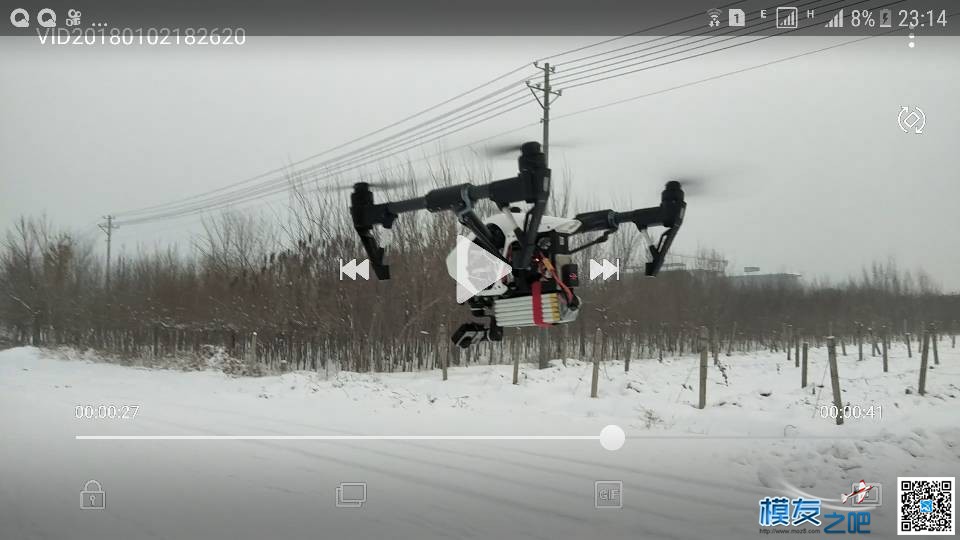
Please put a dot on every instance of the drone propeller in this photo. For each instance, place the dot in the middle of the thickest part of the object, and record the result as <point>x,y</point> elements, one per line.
<point>513,149</point>
<point>713,187</point>
<point>383,185</point>
<point>695,186</point>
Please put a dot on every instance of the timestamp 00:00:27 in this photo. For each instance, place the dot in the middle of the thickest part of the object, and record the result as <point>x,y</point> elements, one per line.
<point>110,412</point>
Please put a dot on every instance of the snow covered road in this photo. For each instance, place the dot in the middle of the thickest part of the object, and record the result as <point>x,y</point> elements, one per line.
<point>686,473</point>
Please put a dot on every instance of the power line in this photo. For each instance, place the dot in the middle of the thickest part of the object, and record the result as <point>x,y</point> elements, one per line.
<point>683,32</point>
<point>658,92</point>
<point>340,167</point>
<point>272,190</point>
<point>710,35</point>
<point>595,77</point>
<point>641,31</point>
<point>338,164</point>
<point>716,77</point>
<point>333,171</point>
<point>339,146</point>
<point>193,199</point>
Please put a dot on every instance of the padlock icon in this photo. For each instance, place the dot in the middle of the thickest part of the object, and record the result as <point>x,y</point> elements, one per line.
<point>92,496</point>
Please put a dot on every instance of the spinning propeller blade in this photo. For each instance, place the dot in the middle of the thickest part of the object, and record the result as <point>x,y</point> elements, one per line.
<point>500,150</point>
<point>385,185</point>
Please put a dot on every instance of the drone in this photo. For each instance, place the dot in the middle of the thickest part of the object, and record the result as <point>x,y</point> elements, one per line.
<point>539,289</point>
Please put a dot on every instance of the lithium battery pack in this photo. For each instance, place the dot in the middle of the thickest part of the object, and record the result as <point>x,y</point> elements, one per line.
<point>514,312</point>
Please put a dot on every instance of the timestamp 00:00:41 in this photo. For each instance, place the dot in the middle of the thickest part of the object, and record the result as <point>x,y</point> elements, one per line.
<point>143,36</point>
<point>855,411</point>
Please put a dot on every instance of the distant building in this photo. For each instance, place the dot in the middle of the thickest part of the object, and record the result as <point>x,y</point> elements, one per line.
<point>691,264</point>
<point>786,280</point>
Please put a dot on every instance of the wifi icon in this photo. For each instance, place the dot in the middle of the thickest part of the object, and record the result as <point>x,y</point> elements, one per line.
<point>714,15</point>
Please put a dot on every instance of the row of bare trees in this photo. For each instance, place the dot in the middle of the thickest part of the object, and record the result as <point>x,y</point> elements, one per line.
<point>280,279</point>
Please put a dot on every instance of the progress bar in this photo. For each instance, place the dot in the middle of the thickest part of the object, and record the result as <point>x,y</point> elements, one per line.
<point>611,437</point>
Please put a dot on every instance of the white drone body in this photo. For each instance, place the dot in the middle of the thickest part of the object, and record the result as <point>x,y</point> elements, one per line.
<point>508,223</point>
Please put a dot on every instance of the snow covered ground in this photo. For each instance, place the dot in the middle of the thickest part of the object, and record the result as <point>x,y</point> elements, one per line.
<point>686,473</point>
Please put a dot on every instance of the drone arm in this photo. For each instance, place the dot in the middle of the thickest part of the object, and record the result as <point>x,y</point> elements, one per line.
<point>459,199</point>
<point>669,214</point>
<point>531,185</point>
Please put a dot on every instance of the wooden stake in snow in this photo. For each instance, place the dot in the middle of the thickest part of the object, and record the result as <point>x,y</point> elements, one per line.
<point>924,352</point>
<point>446,357</point>
<point>796,351</point>
<point>715,344</point>
<point>703,367</point>
<point>515,353</point>
<point>935,337</point>
<point>562,346</point>
<point>860,342</point>
<point>660,340</point>
<point>544,349</point>
<point>883,340</point>
<point>627,354</point>
<point>835,378</point>
<point>787,339</point>
<point>733,335</point>
<point>803,368</point>
<point>597,352</point>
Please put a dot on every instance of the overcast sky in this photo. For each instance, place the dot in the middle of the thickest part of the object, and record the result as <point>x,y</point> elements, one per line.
<point>802,164</point>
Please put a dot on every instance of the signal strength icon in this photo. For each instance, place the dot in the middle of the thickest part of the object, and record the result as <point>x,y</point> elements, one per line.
<point>787,18</point>
<point>836,21</point>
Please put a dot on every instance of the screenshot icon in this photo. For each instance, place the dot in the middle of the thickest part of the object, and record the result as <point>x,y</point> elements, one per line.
<point>351,494</point>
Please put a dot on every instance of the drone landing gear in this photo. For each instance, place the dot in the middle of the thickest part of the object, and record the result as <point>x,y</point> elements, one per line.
<point>473,332</point>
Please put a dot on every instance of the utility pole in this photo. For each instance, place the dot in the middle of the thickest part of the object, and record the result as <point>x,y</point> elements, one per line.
<point>549,96</point>
<point>108,228</point>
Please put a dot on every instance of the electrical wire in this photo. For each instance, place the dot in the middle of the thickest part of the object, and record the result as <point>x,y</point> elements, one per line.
<point>338,164</point>
<point>652,40</point>
<point>641,96</point>
<point>716,77</point>
<point>272,190</point>
<point>641,31</point>
<point>595,78</point>
<point>350,164</point>
<point>710,35</point>
<point>339,146</point>
<point>193,200</point>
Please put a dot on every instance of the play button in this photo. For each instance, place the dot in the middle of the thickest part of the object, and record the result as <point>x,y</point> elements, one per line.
<point>474,268</point>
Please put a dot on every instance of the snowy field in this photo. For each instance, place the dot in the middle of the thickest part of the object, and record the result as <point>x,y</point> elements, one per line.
<point>687,473</point>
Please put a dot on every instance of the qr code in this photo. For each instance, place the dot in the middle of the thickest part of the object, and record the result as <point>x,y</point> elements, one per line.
<point>925,505</point>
